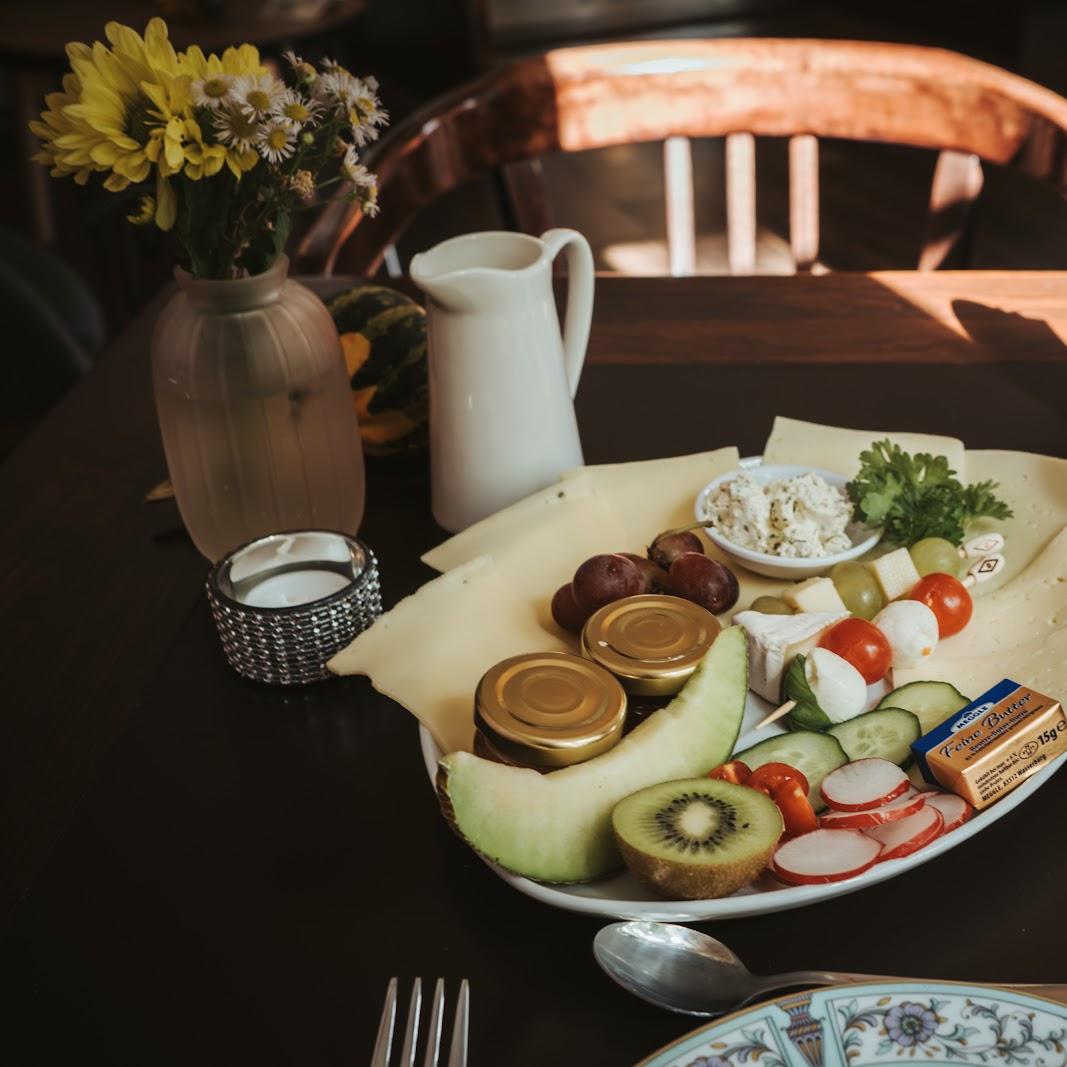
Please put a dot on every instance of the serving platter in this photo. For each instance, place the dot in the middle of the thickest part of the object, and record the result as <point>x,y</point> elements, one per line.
<point>876,1024</point>
<point>490,602</point>
<point>624,897</point>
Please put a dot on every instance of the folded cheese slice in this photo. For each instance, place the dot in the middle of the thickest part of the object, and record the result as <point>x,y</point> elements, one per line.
<point>429,651</point>
<point>834,448</point>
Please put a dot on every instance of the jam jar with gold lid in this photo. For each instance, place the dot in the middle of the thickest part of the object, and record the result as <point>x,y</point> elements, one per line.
<point>651,643</point>
<point>547,710</point>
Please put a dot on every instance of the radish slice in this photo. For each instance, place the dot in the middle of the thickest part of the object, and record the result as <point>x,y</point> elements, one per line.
<point>901,808</point>
<point>865,783</point>
<point>824,856</point>
<point>905,836</point>
<point>954,810</point>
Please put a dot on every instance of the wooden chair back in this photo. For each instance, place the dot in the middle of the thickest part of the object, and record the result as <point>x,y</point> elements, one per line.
<point>591,97</point>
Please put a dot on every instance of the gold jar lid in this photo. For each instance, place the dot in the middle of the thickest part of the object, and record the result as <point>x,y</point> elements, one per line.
<point>549,709</point>
<point>651,643</point>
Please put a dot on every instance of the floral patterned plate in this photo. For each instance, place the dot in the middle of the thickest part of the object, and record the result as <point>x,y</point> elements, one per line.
<point>878,1024</point>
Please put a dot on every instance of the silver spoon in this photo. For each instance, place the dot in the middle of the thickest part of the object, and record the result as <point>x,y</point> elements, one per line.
<point>689,972</point>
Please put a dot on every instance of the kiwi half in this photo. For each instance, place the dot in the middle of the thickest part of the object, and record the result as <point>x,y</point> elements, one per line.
<point>698,837</point>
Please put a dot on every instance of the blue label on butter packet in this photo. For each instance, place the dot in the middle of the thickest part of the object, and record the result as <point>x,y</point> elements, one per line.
<point>954,723</point>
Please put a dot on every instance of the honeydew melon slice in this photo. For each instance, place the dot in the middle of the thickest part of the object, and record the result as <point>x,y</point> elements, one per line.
<point>557,827</point>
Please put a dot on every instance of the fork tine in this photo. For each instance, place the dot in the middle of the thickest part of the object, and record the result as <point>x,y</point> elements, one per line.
<point>433,1034</point>
<point>411,1032</point>
<point>384,1045</point>
<point>458,1055</point>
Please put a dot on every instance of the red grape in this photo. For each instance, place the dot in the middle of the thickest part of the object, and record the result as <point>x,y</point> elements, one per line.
<point>654,578</point>
<point>704,581</point>
<point>565,610</point>
<point>602,579</point>
<point>665,549</point>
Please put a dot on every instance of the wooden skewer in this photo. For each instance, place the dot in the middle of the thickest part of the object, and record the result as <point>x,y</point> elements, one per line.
<point>778,713</point>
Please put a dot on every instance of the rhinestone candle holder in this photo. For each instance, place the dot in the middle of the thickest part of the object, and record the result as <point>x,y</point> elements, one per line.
<point>284,604</point>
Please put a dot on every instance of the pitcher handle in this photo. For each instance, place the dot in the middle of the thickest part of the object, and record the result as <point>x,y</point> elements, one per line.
<point>579,297</point>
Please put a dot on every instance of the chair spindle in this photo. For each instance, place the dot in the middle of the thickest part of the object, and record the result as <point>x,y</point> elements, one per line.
<point>678,190</point>
<point>741,202</point>
<point>804,200</point>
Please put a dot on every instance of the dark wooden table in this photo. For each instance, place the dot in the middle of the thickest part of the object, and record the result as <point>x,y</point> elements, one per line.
<point>196,869</point>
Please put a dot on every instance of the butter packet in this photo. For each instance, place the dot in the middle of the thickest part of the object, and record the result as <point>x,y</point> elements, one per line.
<point>993,744</point>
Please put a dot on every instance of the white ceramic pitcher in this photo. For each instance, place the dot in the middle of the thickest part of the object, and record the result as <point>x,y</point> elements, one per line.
<point>502,379</point>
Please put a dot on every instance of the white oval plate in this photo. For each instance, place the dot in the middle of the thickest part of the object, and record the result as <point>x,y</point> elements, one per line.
<point>624,897</point>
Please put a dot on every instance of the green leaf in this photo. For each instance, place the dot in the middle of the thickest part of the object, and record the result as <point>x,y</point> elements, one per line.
<point>807,715</point>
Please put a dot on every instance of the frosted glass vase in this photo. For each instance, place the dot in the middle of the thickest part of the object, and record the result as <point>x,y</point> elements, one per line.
<point>256,411</point>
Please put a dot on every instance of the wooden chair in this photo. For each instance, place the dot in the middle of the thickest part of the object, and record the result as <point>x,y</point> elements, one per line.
<point>580,98</point>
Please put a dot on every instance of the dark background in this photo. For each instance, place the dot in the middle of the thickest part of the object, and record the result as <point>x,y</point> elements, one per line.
<point>873,196</point>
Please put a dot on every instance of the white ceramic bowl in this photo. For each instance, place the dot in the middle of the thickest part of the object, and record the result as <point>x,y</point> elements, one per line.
<point>862,537</point>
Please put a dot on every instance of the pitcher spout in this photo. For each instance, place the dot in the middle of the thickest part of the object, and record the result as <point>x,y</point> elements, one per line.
<point>478,270</point>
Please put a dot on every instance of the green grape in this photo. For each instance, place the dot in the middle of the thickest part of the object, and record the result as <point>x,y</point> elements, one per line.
<point>771,605</point>
<point>858,588</point>
<point>935,555</point>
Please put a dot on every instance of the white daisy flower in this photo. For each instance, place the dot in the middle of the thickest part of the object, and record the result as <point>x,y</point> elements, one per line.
<point>276,141</point>
<point>212,92</point>
<point>338,89</point>
<point>353,171</point>
<point>296,109</point>
<point>256,94</point>
<point>331,65</point>
<point>236,129</point>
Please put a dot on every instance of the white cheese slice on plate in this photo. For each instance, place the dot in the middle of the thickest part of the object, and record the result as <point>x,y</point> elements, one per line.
<point>429,652</point>
<point>834,448</point>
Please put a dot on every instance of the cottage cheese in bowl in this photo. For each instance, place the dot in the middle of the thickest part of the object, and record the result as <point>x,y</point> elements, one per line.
<point>783,521</point>
<point>799,517</point>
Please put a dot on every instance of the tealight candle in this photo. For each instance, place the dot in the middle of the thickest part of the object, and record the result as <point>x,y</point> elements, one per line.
<point>296,587</point>
<point>284,604</point>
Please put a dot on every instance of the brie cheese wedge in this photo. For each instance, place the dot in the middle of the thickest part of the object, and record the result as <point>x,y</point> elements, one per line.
<point>775,640</point>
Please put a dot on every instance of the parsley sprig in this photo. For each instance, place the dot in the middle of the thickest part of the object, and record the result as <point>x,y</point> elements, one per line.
<point>917,496</point>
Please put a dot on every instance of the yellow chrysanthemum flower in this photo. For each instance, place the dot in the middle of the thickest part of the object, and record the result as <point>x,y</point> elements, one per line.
<point>53,124</point>
<point>115,121</point>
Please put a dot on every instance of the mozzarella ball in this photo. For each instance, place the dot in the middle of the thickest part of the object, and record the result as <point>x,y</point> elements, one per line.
<point>911,629</point>
<point>839,688</point>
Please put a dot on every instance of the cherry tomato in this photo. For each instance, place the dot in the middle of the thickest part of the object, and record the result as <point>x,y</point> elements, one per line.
<point>768,777</point>
<point>948,599</point>
<point>797,812</point>
<point>862,644</point>
<point>735,771</point>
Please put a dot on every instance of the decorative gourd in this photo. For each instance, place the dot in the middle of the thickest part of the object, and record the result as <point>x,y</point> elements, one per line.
<point>383,335</point>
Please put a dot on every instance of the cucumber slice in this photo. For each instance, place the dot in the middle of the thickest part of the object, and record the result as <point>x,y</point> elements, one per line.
<point>930,702</point>
<point>885,732</point>
<point>813,753</point>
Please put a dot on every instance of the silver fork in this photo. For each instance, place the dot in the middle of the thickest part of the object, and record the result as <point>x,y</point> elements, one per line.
<point>457,1056</point>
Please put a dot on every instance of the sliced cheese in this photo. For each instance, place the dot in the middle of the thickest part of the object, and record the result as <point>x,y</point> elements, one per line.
<point>834,448</point>
<point>774,641</point>
<point>1035,488</point>
<point>1040,664</point>
<point>537,544</point>
<point>895,572</point>
<point>814,594</point>
<point>1027,609</point>
<point>575,503</point>
<point>429,652</point>
<point>653,495</point>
